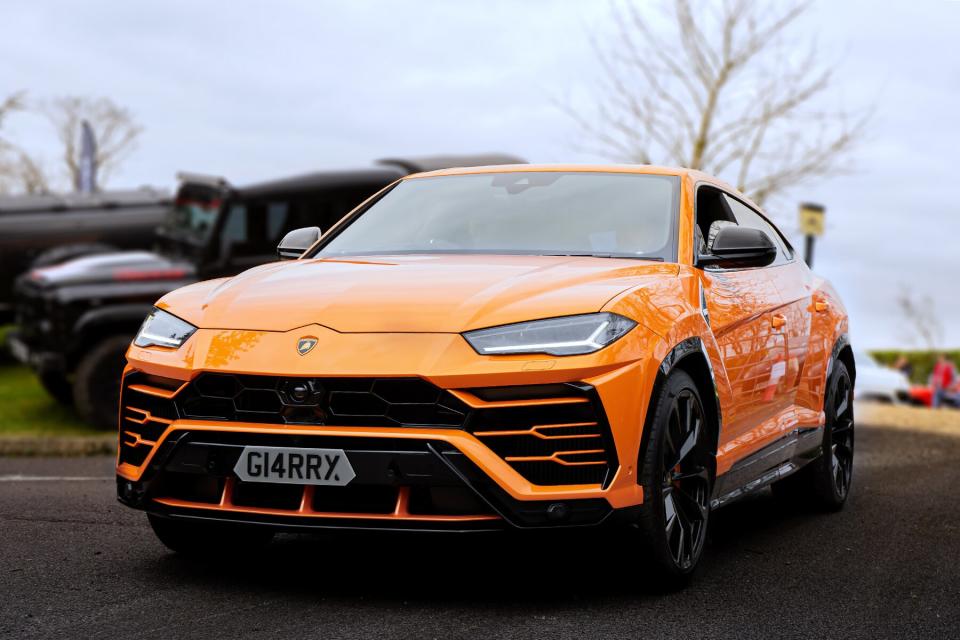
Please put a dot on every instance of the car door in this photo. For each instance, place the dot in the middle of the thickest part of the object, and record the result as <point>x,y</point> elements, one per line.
<point>744,308</point>
<point>791,277</point>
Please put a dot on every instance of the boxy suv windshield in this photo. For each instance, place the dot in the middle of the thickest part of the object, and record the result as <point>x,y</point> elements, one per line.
<point>535,213</point>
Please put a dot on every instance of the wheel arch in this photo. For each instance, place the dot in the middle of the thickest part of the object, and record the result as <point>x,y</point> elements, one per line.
<point>843,351</point>
<point>689,356</point>
<point>99,324</point>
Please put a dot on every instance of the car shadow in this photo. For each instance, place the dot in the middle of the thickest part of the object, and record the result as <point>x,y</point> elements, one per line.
<point>503,568</point>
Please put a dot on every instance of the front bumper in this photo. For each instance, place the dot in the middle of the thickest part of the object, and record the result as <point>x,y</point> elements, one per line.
<point>400,485</point>
<point>511,443</point>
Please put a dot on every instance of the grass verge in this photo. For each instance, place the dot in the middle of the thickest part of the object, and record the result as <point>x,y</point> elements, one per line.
<point>26,409</point>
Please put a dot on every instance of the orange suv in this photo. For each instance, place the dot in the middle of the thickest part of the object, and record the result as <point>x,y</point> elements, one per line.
<point>496,348</point>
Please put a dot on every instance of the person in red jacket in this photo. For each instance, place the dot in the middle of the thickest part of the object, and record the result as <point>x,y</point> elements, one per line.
<point>942,379</point>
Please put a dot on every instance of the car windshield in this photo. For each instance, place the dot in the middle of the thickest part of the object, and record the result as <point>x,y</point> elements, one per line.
<point>192,216</point>
<point>523,212</point>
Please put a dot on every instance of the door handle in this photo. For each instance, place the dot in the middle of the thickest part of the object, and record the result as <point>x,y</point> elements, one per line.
<point>777,321</point>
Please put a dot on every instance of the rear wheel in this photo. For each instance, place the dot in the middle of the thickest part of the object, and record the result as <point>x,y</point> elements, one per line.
<point>96,386</point>
<point>677,478</point>
<point>209,539</point>
<point>826,481</point>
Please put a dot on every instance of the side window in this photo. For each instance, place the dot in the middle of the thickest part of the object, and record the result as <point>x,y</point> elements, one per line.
<point>276,221</point>
<point>747,217</point>
<point>234,231</point>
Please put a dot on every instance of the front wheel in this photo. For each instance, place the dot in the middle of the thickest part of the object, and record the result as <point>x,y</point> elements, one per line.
<point>96,385</point>
<point>677,479</point>
<point>209,539</point>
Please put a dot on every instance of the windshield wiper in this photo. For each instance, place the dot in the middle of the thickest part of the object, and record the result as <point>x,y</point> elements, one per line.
<point>605,255</point>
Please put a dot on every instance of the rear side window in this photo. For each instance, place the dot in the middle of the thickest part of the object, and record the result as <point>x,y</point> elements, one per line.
<point>747,217</point>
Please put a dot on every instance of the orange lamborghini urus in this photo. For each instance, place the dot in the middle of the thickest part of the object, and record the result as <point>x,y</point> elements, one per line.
<point>505,347</point>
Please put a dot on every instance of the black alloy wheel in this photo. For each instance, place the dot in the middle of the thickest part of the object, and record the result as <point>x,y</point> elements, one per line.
<point>677,478</point>
<point>825,482</point>
<point>686,480</point>
<point>841,434</point>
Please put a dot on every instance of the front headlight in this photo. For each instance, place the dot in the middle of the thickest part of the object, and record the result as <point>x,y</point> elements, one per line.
<point>566,336</point>
<point>162,329</point>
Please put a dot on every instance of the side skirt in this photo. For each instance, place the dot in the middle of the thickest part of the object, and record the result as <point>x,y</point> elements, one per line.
<point>776,461</point>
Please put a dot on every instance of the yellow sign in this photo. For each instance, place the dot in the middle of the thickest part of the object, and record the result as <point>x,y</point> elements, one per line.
<point>811,219</point>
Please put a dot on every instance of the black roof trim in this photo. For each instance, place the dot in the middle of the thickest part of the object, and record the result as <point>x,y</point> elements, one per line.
<point>118,199</point>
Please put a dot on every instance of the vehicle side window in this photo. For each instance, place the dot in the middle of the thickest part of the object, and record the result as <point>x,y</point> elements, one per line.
<point>747,217</point>
<point>234,229</point>
<point>276,221</point>
<point>326,208</point>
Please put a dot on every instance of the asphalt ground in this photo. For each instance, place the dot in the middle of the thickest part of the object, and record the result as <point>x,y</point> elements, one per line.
<point>76,564</point>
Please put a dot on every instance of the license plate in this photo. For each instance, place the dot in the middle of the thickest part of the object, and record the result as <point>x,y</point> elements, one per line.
<point>285,465</point>
<point>19,350</point>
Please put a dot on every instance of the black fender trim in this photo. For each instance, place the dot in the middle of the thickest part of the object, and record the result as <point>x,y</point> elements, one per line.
<point>842,342</point>
<point>685,348</point>
<point>112,314</point>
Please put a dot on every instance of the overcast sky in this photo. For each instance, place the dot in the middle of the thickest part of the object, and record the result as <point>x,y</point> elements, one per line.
<point>291,87</point>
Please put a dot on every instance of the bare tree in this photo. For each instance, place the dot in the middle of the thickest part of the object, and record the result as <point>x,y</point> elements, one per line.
<point>114,126</point>
<point>20,170</point>
<point>919,314</point>
<point>8,151</point>
<point>714,86</point>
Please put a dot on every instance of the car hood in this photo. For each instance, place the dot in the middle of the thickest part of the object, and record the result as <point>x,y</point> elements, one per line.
<point>119,266</point>
<point>423,293</point>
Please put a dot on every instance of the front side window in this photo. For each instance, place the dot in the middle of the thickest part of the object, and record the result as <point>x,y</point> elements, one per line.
<point>528,213</point>
<point>747,217</point>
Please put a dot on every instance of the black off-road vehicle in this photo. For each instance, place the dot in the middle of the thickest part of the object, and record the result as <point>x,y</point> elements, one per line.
<point>77,318</point>
<point>43,230</point>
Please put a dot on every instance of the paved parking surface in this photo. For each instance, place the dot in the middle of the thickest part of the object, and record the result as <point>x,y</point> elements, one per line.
<point>75,564</point>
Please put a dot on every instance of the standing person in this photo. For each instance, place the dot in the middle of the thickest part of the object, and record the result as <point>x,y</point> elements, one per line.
<point>903,366</point>
<point>941,379</point>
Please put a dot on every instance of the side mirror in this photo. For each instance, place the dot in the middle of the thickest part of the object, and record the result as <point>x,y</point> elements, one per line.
<point>739,247</point>
<point>296,242</point>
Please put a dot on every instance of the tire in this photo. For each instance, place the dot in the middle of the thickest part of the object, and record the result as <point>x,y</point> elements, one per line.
<point>825,482</point>
<point>58,386</point>
<point>209,539</point>
<point>56,255</point>
<point>677,479</point>
<point>96,385</point>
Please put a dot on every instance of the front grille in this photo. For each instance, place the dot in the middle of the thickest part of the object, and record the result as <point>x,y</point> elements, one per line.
<point>30,310</point>
<point>370,402</point>
<point>552,435</point>
<point>397,479</point>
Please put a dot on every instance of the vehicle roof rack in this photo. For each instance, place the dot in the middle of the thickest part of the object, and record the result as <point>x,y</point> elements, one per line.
<point>120,198</point>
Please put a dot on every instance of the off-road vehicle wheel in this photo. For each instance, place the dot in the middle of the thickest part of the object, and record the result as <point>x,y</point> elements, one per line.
<point>96,385</point>
<point>58,386</point>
